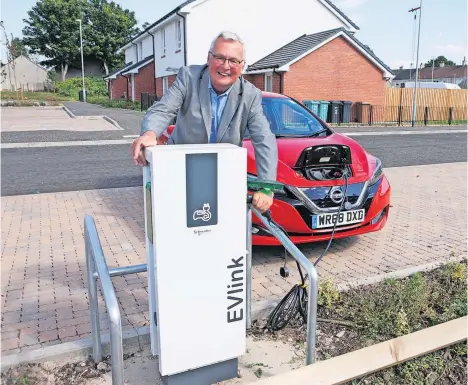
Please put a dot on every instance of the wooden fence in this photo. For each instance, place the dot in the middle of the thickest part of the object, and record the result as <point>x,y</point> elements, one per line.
<point>399,103</point>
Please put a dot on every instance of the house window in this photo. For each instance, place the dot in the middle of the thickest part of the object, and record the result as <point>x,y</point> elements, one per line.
<point>165,84</point>
<point>140,50</point>
<point>269,82</point>
<point>178,35</point>
<point>163,41</point>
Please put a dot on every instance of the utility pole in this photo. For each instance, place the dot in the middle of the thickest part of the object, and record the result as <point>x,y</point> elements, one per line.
<point>82,61</point>
<point>433,61</point>
<point>413,120</point>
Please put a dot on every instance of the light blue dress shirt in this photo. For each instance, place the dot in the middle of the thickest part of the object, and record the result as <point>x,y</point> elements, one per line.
<point>218,102</point>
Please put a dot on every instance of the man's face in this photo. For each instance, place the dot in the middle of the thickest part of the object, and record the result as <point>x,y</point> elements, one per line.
<point>224,73</point>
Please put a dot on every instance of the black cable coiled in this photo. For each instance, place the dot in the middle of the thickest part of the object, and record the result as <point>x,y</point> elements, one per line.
<point>295,302</point>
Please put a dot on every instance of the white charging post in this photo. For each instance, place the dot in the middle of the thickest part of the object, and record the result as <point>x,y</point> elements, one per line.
<point>195,205</point>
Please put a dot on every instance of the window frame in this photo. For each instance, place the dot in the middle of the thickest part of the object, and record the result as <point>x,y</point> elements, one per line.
<point>178,32</point>
<point>163,41</point>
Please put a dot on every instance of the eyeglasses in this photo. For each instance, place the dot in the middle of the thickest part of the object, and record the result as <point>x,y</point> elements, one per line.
<point>221,59</point>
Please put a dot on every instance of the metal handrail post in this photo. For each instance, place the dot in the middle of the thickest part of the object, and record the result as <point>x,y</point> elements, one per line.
<point>93,301</point>
<point>126,270</point>
<point>313,283</point>
<point>110,300</point>
<point>249,269</point>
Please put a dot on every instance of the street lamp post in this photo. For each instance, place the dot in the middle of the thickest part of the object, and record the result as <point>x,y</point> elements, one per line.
<point>82,61</point>
<point>413,120</point>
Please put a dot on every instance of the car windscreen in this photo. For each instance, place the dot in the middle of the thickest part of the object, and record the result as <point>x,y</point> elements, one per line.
<point>289,118</point>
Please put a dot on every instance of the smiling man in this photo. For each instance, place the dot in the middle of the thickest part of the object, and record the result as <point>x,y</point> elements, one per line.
<point>213,103</point>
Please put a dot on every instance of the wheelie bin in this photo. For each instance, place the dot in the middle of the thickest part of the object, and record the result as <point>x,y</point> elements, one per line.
<point>323,110</point>
<point>334,111</point>
<point>312,105</point>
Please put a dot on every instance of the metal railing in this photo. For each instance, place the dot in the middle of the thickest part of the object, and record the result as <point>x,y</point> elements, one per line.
<point>248,277</point>
<point>97,269</point>
<point>382,115</point>
<point>313,284</point>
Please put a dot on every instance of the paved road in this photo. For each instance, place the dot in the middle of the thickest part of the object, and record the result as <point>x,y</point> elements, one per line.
<point>130,121</point>
<point>53,169</point>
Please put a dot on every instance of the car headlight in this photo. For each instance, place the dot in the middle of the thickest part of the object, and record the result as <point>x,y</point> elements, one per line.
<point>377,174</point>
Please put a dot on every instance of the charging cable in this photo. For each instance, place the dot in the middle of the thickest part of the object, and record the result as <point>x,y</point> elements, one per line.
<point>295,302</point>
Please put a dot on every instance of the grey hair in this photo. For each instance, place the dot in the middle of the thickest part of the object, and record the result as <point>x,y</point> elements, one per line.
<point>228,35</point>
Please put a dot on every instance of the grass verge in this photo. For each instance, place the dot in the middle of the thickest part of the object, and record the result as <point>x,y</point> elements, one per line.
<point>35,96</point>
<point>367,315</point>
<point>114,103</point>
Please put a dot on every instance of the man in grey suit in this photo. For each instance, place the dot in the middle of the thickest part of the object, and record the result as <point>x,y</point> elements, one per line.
<point>214,104</point>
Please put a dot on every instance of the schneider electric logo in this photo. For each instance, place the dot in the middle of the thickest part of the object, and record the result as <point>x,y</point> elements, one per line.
<point>204,214</point>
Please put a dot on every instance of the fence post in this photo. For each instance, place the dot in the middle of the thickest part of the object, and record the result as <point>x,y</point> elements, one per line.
<point>450,116</point>
<point>400,114</point>
<point>426,113</point>
<point>370,115</point>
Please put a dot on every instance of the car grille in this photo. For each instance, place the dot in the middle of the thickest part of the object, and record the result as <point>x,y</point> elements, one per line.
<point>353,194</point>
<point>320,195</point>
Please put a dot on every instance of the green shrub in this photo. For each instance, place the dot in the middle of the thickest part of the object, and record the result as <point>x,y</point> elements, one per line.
<point>72,86</point>
<point>328,293</point>
<point>114,103</point>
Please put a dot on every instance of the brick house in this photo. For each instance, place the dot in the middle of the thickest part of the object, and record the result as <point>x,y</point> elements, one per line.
<point>183,36</point>
<point>323,66</point>
<point>133,79</point>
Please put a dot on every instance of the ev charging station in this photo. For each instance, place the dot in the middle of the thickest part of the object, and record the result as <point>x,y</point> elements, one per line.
<point>195,221</point>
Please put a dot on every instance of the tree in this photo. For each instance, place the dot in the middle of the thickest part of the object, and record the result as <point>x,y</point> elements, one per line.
<point>52,31</point>
<point>10,59</point>
<point>438,61</point>
<point>109,28</point>
<point>18,48</point>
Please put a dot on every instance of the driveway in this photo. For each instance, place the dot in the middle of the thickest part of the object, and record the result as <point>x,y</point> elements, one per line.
<point>17,119</point>
<point>129,120</point>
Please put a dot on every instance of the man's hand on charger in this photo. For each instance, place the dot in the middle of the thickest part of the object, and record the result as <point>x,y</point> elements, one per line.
<point>261,201</point>
<point>148,139</point>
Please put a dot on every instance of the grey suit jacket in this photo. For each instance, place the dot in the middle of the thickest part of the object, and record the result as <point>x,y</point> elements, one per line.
<point>188,98</point>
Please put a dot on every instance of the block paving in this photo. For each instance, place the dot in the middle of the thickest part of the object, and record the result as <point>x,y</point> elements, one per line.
<point>43,277</point>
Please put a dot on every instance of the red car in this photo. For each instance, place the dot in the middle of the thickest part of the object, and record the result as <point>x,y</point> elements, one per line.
<point>322,171</point>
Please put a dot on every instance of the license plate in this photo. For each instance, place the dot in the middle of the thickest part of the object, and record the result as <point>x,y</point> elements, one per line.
<point>321,221</point>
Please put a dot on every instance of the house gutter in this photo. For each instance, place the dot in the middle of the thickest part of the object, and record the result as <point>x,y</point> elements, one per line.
<point>185,35</point>
<point>154,62</point>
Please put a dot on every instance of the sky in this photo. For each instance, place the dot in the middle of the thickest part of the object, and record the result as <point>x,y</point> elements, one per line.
<point>386,26</point>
